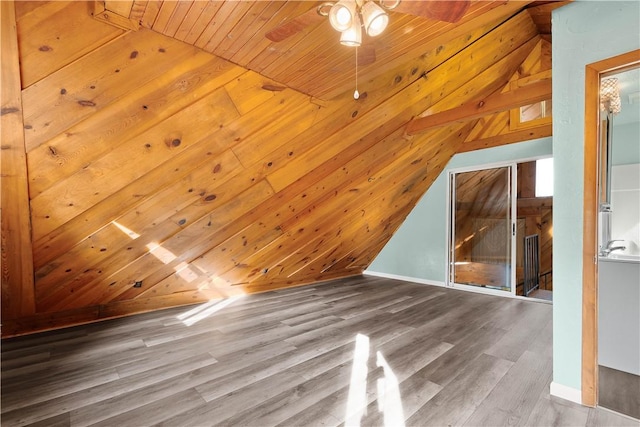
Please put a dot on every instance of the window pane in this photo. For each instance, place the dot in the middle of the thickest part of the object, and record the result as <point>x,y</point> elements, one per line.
<point>536,111</point>
<point>544,177</point>
<point>482,233</point>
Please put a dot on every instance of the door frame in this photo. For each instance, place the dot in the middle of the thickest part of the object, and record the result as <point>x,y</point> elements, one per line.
<point>512,165</point>
<point>593,73</point>
<point>449,224</point>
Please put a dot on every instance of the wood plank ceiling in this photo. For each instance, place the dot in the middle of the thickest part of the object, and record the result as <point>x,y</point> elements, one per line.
<point>191,158</point>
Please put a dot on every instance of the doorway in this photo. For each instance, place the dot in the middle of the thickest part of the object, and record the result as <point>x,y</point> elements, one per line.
<point>534,229</point>
<point>591,212</point>
<point>501,229</point>
<point>619,244</point>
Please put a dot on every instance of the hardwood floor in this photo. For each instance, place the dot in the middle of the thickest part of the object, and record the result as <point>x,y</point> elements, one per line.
<point>312,355</point>
<point>542,294</point>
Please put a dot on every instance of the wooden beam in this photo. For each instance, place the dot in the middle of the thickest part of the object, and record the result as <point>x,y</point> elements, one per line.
<point>119,7</point>
<point>495,103</point>
<point>533,205</point>
<point>17,255</point>
<point>541,14</point>
<point>507,138</point>
<point>525,81</point>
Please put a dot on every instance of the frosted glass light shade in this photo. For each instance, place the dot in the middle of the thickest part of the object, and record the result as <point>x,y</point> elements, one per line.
<point>342,14</point>
<point>353,35</point>
<point>375,18</point>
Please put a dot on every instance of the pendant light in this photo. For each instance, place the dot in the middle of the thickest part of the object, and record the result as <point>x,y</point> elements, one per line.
<point>341,15</point>
<point>375,18</point>
<point>349,16</point>
<point>353,35</point>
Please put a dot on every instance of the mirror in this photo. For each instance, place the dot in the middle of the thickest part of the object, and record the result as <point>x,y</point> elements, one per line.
<point>619,176</point>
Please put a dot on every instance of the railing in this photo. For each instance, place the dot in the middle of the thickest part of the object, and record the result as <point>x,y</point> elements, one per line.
<point>545,276</point>
<point>531,264</point>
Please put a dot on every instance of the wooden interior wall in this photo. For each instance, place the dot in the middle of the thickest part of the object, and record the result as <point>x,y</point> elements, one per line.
<point>162,175</point>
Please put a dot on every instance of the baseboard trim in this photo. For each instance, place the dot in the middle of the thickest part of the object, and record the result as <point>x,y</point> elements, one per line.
<point>403,278</point>
<point>456,287</point>
<point>567,393</point>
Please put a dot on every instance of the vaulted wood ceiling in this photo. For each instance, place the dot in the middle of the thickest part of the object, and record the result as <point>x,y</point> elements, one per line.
<point>173,154</point>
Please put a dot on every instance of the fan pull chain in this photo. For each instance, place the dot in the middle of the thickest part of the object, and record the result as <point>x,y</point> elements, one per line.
<point>356,94</point>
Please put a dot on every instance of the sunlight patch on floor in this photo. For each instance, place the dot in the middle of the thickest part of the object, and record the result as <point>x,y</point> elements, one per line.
<point>357,400</point>
<point>389,400</point>
<point>388,389</point>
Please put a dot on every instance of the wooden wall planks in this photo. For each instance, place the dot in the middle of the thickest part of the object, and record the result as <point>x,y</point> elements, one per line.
<point>17,253</point>
<point>199,179</point>
<point>54,48</point>
<point>311,61</point>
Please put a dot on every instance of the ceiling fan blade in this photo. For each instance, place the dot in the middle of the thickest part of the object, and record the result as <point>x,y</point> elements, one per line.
<point>294,25</point>
<point>366,54</point>
<point>441,10</point>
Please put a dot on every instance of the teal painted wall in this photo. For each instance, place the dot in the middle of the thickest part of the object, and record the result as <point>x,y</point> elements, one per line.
<point>418,248</point>
<point>583,32</point>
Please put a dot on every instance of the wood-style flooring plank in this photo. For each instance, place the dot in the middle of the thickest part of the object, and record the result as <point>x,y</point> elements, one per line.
<point>153,413</point>
<point>511,400</point>
<point>286,403</point>
<point>98,394</point>
<point>515,342</point>
<point>552,411</point>
<point>454,404</point>
<point>434,356</point>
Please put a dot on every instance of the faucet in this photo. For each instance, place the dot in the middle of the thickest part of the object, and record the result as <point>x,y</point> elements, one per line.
<point>606,251</point>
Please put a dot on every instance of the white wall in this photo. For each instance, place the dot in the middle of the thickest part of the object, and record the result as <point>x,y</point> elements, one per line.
<point>625,207</point>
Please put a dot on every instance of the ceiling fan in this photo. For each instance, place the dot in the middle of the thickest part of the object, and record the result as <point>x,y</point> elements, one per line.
<point>349,17</point>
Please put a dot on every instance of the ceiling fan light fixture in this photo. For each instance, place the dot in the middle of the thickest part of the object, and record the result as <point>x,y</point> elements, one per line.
<point>342,15</point>
<point>375,18</point>
<point>353,35</point>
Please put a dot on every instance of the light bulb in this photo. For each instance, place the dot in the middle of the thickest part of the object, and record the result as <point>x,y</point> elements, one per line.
<point>353,35</point>
<point>343,17</point>
<point>356,94</point>
<point>341,14</point>
<point>375,18</point>
<point>378,25</point>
